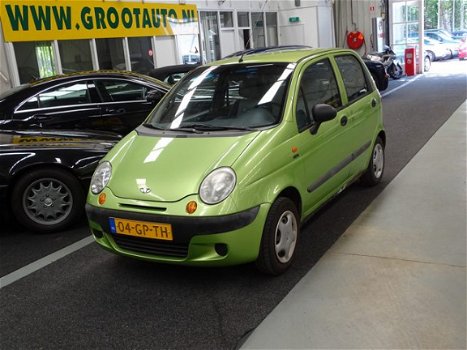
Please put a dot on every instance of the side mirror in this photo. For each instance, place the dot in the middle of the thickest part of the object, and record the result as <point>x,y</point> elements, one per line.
<point>322,113</point>
<point>154,96</point>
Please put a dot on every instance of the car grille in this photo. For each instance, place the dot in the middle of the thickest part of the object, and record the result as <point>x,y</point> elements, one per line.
<point>151,246</point>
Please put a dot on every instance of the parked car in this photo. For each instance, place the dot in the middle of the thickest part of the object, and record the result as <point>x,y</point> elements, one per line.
<point>378,73</point>
<point>463,49</point>
<point>236,156</point>
<point>44,175</point>
<point>459,34</point>
<point>106,100</point>
<point>172,74</point>
<point>446,38</point>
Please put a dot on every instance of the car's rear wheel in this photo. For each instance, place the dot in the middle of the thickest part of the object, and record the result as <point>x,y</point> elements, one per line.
<point>426,63</point>
<point>375,169</point>
<point>280,236</point>
<point>47,200</point>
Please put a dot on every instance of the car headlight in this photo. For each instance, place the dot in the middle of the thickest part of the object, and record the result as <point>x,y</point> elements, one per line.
<point>217,185</point>
<point>101,177</point>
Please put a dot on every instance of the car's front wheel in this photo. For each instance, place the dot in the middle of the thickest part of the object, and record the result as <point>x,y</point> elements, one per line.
<point>47,200</point>
<point>280,236</point>
<point>375,169</point>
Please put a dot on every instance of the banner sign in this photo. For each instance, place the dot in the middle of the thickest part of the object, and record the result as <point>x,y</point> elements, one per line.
<point>34,20</point>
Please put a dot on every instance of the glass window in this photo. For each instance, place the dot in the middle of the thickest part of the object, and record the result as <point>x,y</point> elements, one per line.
<point>75,55</point>
<point>318,85</point>
<point>233,96</point>
<point>120,90</point>
<point>243,19</point>
<point>354,78</point>
<point>226,19</point>
<point>35,60</point>
<point>259,38</point>
<point>271,28</point>
<point>65,95</point>
<point>110,54</point>
<point>141,54</point>
<point>210,36</point>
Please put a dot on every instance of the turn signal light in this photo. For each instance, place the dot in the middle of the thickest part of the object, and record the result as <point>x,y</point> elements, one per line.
<point>191,207</point>
<point>102,198</point>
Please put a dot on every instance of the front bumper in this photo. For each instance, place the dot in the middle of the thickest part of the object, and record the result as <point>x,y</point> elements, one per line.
<point>213,240</point>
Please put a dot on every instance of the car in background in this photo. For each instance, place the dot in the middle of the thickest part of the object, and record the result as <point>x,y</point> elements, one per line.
<point>44,175</point>
<point>172,74</point>
<point>236,157</point>
<point>445,38</point>
<point>378,73</point>
<point>433,48</point>
<point>459,34</point>
<point>463,49</point>
<point>105,100</point>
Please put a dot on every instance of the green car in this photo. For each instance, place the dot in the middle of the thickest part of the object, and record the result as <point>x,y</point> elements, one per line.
<point>236,156</point>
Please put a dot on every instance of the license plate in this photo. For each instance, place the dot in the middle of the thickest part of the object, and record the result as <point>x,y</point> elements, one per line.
<point>144,229</point>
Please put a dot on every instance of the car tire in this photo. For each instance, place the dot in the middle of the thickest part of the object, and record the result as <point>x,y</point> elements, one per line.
<point>280,237</point>
<point>47,200</point>
<point>426,63</point>
<point>375,170</point>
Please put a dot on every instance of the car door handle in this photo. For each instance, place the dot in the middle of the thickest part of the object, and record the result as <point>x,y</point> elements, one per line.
<point>373,103</point>
<point>115,111</point>
<point>344,121</point>
<point>41,117</point>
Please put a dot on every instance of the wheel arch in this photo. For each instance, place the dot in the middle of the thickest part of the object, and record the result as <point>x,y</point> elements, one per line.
<point>294,195</point>
<point>35,167</point>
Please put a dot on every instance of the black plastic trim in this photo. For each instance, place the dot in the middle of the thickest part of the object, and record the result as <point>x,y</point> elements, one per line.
<point>183,228</point>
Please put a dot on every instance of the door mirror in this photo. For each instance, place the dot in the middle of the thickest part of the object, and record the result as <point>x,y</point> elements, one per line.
<point>154,96</point>
<point>322,113</point>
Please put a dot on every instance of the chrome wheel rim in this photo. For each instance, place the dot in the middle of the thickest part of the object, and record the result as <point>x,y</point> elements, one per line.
<point>378,160</point>
<point>285,237</point>
<point>47,201</point>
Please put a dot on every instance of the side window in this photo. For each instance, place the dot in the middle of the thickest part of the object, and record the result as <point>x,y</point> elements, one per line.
<point>120,90</point>
<point>355,81</point>
<point>318,85</point>
<point>64,95</point>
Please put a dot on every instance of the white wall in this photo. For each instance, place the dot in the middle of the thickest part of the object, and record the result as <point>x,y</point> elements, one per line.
<point>315,26</point>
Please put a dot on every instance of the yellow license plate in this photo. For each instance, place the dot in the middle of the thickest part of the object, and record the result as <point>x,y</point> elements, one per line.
<point>143,229</point>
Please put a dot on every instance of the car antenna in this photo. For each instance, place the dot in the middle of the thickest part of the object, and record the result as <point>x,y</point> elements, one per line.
<point>240,60</point>
<point>241,57</point>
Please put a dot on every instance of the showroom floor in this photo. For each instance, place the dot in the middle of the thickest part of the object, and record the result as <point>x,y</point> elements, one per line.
<point>390,283</point>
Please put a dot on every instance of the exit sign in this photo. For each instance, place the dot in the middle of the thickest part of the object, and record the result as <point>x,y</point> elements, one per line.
<point>294,19</point>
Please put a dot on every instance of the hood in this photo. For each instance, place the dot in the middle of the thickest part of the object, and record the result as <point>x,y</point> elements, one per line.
<point>171,167</point>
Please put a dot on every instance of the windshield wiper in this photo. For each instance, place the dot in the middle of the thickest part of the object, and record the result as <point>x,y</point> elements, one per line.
<point>150,126</point>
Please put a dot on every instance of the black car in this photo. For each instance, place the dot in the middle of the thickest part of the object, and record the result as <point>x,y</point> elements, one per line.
<point>105,100</point>
<point>172,74</point>
<point>378,72</point>
<point>44,175</point>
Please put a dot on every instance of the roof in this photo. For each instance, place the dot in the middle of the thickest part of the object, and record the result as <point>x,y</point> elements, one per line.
<point>285,55</point>
<point>100,73</point>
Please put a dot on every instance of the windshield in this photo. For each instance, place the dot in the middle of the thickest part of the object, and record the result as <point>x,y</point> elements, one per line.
<point>228,97</point>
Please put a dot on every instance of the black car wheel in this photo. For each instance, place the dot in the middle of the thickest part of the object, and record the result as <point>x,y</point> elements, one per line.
<point>280,235</point>
<point>375,170</point>
<point>47,200</point>
<point>426,63</point>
